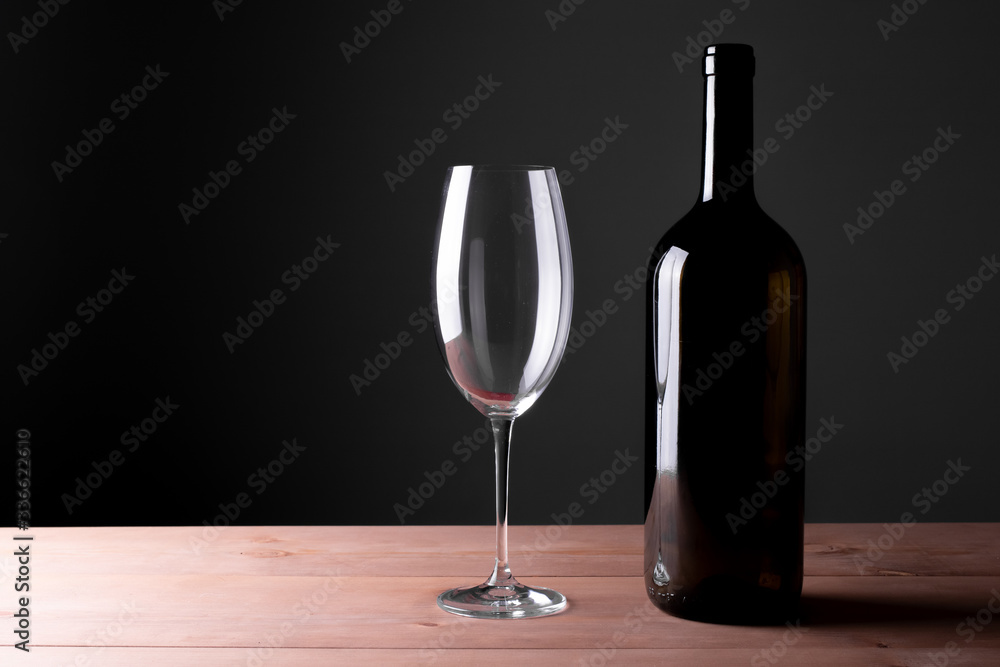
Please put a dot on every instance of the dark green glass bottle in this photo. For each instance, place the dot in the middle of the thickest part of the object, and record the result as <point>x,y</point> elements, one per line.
<point>725,384</point>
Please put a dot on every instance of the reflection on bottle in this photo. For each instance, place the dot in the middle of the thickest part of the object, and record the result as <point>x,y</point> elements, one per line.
<point>666,334</point>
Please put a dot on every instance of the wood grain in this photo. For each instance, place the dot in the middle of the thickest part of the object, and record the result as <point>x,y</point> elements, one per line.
<point>366,595</point>
<point>304,657</point>
<point>953,549</point>
<point>354,612</point>
<point>222,657</point>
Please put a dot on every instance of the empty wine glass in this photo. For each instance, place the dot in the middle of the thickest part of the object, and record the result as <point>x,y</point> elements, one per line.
<point>503,281</point>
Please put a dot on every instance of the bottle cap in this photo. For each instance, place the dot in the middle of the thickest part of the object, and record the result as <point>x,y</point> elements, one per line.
<point>729,59</point>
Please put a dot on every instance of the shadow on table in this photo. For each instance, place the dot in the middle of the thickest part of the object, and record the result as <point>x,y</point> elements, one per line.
<point>818,610</point>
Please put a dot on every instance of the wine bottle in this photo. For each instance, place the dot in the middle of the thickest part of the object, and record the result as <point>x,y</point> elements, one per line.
<point>725,384</point>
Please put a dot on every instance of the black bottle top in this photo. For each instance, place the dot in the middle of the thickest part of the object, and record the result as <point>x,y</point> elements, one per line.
<point>727,156</point>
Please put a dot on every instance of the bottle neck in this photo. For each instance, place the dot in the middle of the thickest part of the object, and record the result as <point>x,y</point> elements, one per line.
<point>727,162</point>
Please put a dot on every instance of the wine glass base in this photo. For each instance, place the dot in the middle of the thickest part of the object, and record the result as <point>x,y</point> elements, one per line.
<point>510,601</point>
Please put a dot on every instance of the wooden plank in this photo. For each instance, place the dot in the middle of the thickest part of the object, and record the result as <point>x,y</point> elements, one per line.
<point>384,612</point>
<point>304,657</point>
<point>959,549</point>
<point>397,551</point>
<point>924,549</point>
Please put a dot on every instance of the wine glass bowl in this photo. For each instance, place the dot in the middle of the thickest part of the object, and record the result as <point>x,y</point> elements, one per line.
<point>503,284</point>
<point>503,287</point>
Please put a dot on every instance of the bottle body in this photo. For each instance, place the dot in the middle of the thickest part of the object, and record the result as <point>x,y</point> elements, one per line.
<point>725,411</point>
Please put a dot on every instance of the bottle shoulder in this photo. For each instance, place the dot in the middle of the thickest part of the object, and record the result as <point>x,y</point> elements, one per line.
<point>733,231</point>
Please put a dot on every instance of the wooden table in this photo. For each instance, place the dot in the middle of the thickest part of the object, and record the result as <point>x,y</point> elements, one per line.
<point>254,596</point>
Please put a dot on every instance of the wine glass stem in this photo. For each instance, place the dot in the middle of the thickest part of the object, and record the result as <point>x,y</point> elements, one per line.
<point>501,435</point>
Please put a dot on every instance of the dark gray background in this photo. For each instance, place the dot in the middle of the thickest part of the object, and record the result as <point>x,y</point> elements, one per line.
<point>324,175</point>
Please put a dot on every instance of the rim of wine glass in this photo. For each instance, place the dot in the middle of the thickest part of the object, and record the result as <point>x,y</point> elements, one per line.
<point>503,167</point>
